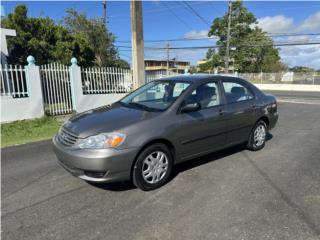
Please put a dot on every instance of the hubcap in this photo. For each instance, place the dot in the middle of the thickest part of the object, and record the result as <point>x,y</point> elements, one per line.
<point>259,135</point>
<point>155,167</point>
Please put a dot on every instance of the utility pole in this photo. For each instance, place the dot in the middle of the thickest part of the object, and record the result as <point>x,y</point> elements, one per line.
<point>137,43</point>
<point>228,38</point>
<point>168,58</point>
<point>105,12</point>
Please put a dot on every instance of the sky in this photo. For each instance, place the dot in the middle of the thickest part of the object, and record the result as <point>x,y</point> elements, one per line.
<point>162,24</point>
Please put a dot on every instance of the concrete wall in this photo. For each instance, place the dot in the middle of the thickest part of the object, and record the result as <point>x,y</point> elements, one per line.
<point>86,102</point>
<point>289,87</point>
<point>83,102</point>
<point>13,109</point>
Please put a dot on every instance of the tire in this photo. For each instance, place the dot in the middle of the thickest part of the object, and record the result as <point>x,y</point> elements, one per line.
<point>255,144</point>
<point>155,160</point>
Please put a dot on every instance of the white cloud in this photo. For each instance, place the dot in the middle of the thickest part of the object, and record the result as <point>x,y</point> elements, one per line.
<point>276,24</point>
<point>301,55</point>
<point>283,24</point>
<point>194,34</point>
<point>311,23</point>
<point>299,39</point>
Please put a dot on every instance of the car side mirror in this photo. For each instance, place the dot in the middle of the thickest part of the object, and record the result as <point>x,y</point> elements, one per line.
<point>190,107</point>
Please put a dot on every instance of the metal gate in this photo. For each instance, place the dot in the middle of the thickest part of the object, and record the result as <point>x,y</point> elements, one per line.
<point>56,89</point>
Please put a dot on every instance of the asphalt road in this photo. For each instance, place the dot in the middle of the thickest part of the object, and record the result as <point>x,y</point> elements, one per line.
<point>234,194</point>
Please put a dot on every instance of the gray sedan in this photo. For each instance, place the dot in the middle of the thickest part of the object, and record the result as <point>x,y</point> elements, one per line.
<point>163,123</point>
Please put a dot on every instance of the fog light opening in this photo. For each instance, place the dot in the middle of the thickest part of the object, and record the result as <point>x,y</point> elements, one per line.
<point>94,174</point>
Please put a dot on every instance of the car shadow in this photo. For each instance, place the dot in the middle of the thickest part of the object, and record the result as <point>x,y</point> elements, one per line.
<point>114,186</point>
<point>179,168</point>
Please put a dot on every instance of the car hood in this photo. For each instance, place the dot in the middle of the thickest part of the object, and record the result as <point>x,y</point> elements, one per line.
<point>106,119</point>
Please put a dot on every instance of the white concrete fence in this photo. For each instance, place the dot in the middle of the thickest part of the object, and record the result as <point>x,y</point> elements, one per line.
<point>54,89</point>
<point>17,105</point>
<point>31,91</point>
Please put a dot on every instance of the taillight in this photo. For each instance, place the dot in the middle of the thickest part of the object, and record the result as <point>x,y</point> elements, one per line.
<point>274,107</point>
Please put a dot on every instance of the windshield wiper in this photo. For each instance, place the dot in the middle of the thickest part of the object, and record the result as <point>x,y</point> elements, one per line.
<point>144,107</point>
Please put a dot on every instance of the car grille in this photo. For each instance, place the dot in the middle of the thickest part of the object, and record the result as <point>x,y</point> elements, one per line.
<point>66,137</point>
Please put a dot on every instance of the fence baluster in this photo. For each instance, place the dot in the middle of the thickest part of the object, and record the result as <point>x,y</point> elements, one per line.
<point>104,71</point>
<point>92,81</point>
<point>57,82</point>
<point>3,90</point>
<point>68,92</point>
<point>61,82</point>
<point>113,80</point>
<point>22,81</point>
<point>53,79</point>
<point>7,80</point>
<point>100,81</point>
<point>43,86</point>
<point>49,108</point>
<point>12,80</point>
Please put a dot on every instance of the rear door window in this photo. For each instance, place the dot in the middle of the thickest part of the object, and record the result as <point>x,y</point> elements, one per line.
<point>207,95</point>
<point>236,92</point>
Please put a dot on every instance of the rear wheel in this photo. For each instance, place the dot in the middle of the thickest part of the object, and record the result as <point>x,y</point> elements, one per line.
<point>153,167</point>
<point>257,138</point>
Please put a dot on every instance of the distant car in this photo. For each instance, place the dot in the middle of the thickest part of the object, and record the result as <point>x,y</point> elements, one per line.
<point>165,122</point>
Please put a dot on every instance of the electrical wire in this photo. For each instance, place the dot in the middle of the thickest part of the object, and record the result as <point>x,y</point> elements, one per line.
<point>196,13</point>
<point>280,44</point>
<point>174,14</point>
<point>272,35</point>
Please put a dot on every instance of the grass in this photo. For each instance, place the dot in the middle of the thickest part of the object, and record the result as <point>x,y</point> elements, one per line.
<point>25,131</point>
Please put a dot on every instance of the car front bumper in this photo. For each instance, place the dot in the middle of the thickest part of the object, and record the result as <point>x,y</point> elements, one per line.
<point>96,165</point>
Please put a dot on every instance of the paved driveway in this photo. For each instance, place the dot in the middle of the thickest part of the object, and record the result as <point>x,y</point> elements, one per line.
<point>234,194</point>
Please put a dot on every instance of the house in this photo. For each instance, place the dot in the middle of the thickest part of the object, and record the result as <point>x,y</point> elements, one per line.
<point>161,65</point>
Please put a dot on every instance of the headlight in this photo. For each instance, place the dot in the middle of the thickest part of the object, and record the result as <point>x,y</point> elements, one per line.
<point>101,141</point>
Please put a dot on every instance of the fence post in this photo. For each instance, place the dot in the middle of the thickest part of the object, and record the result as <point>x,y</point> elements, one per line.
<point>313,77</point>
<point>76,84</point>
<point>34,86</point>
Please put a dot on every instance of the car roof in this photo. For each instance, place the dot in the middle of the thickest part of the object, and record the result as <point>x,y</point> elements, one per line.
<point>198,77</point>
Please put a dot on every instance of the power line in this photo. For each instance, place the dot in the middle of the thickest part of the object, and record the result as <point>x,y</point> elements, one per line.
<point>154,10</point>
<point>196,13</point>
<point>272,35</point>
<point>280,44</point>
<point>174,14</point>
<point>290,34</point>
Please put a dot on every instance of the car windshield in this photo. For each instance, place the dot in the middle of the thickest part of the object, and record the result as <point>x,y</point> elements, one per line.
<point>155,96</point>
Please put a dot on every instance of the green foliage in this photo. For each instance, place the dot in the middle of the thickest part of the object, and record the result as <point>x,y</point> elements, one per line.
<point>86,39</point>
<point>254,51</point>
<point>97,35</point>
<point>212,62</point>
<point>302,69</point>
<point>28,131</point>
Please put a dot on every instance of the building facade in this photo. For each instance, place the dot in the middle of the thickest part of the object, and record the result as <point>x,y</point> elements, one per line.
<point>161,65</point>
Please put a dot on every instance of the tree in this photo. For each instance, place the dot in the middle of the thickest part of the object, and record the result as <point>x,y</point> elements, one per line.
<point>302,69</point>
<point>44,40</point>
<point>251,49</point>
<point>90,42</point>
<point>97,35</point>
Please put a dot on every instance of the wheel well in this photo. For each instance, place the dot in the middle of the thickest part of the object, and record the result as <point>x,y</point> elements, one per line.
<point>160,140</point>
<point>265,119</point>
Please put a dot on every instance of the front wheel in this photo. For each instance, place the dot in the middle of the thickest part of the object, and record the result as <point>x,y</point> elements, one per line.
<point>153,167</point>
<point>257,138</point>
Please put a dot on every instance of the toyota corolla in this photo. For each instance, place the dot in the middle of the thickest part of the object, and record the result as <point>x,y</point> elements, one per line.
<point>163,123</point>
